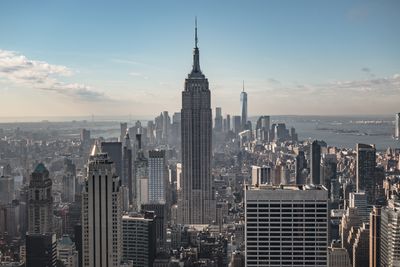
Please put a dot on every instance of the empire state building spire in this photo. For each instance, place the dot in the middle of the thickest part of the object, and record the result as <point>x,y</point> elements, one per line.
<point>196,55</point>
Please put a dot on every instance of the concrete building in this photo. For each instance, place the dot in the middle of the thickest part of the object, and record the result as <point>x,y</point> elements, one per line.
<point>359,200</point>
<point>66,252</point>
<point>390,233</point>
<point>114,152</point>
<point>198,196</point>
<point>397,126</point>
<point>236,124</point>
<point>218,119</point>
<point>260,175</point>
<point>361,246</point>
<point>338,256</point>
<point>286,225</point>
<point>101,213</point>
<point>6,189</point>
<point>375,237</point>
<point>139,239</point>
<point>40,202</point>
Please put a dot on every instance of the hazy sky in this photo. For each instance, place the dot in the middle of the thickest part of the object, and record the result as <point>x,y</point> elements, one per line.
<point>70,58</point>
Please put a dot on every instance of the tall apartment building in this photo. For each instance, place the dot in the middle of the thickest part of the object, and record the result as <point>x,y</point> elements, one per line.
<point>286,225</point>
<point>101,213</point>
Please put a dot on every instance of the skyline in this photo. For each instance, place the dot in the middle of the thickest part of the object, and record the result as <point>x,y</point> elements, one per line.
<point>71,68</point>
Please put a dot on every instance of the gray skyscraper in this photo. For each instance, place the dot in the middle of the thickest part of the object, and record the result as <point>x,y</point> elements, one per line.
<point>40,209</point>
<point>218,119</point>
<point>315,163</point>
<point>101,213</point>
<point>243,107</point>
<point>397,126</point>
<point>158,177</point>
<point>365,172</point>
<point>114,151</point>
<point>198,197</point>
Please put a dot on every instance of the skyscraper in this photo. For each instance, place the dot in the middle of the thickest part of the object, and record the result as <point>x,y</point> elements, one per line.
<point>40,209</point>
<point>123,128</point>
<point>286,225</point>
<point>397,126</point>
<point>365,170</point>
<point>127,166</point>
<point>101,213</point>
<point>243,108</point>
<point>198,195</point>
<point>218,119</point>
<point>389,232</point>
<point>158,177</point>
<point>114,152</point>
<point>315,163</point>
<point>140,177</point>
<point>236,124</point>
<point>375,237</point>
<point>41,250</point>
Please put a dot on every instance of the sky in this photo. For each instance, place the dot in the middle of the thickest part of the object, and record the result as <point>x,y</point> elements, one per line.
<point>78,58</point>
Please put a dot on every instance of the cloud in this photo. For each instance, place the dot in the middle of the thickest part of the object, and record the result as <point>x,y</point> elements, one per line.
<point>138,74</point>
<point>365,69</point>
<point>20,70</point>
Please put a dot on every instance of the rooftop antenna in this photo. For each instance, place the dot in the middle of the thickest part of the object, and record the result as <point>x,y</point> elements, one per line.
<point>195,32</point>
<point>243,85</point>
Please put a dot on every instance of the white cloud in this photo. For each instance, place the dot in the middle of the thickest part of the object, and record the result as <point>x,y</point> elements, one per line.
<point>20,70</point>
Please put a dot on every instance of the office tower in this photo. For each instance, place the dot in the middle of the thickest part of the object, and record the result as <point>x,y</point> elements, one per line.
<point>85,137</point>
<point>262,128</point>
<point>127,167</point>
<point>293,134</point>
<point>375,237</point>
<point>40,207</point>
<point>41,250</point>
<point>397,126</point>
<point>365,170</point>
<point>228,123</point>
<point>101,213</point>
<point>198,195</point>
<point>286,225</point>
<point>78,242</point>
<point>123,129</point>
<point>141,177</point>
<point>114,152</point>
<point>6,189</point>
<point>260,175</point>
<point>151,127</point>
<point>351,221</point>
<point>69,180</point>
<point>176,129</point>
<point>301,164</point>
<point>338,256</point>
<point>243,108</point>
<point>218,119</point>
<point>139,239</point>
<point>160,212</point>
<point>166,125</point>
<point>66,252</point>
<point>390,233</point>
<point>328,170</point>
<point>315,162</point>
<point>158,177</point>
<point>236,124</point>
<point>359,200</point>
<point>361,246</point>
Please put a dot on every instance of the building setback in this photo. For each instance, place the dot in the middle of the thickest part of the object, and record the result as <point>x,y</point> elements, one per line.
<point>198,201</point>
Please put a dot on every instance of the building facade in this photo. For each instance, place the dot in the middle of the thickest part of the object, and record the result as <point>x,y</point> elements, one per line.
<point>198,197</point>
<point>101,213</point>
<point>286,225</point>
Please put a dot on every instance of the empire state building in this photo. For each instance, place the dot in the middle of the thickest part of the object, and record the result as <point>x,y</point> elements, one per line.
<point>198,200</point>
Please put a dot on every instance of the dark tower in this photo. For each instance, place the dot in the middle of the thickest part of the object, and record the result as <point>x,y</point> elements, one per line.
<point>198,202</point>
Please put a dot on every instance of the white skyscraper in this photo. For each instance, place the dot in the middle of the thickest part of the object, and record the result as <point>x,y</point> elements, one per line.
<point>101,213</point>
<point>286,225</point>
<point>397,126</point>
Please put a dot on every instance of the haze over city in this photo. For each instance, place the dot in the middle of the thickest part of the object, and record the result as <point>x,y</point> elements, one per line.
<point>72,58</point>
